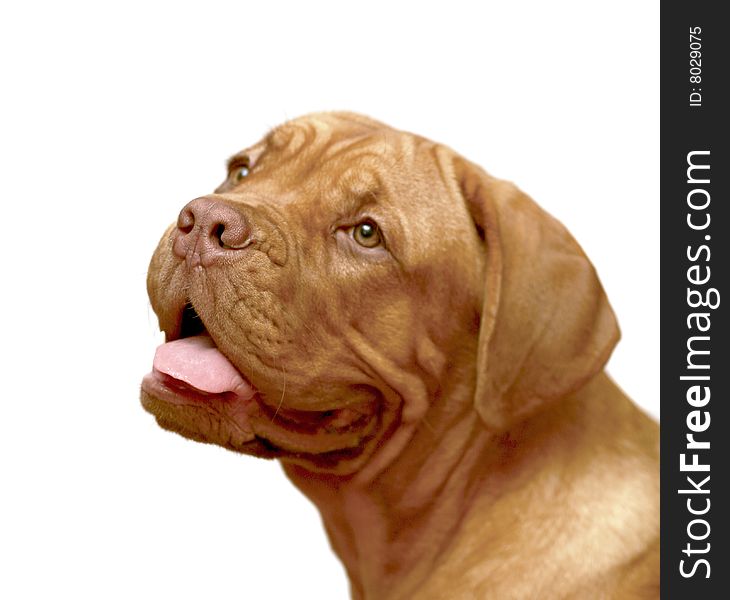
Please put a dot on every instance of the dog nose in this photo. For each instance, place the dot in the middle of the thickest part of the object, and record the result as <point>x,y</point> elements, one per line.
<point>209,230</point>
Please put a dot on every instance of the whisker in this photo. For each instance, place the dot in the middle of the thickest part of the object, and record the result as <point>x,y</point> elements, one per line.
<point>281,400</point>
<point>428,425</point>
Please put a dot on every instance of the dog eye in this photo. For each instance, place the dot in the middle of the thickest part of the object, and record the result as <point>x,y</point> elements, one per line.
<point>239,168</point>
<point>367,234</point>
<point>240,173</point>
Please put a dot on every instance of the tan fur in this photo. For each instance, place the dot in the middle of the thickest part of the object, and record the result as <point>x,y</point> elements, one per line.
<point>491,456</point>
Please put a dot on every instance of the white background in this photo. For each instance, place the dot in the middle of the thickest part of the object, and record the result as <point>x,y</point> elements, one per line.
<point>113,115</point>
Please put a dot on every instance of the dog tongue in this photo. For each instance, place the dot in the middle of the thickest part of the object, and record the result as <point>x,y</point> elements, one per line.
<point>197,362</point>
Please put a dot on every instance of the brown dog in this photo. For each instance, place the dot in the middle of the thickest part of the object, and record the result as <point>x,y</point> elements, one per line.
<point>423,348</point>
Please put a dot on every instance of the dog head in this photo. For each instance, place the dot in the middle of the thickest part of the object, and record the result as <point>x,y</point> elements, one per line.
<point>317,303</point>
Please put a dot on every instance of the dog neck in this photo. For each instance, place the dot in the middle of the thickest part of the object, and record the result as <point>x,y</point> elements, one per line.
<point>384,527</point>
<point>454,475</point>
<point>389,530</point>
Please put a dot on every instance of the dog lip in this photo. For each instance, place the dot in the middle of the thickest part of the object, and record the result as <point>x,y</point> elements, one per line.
<point>310,435</point>
<point>285,428</point>
<point>195,373</point>
<point>229,407</point>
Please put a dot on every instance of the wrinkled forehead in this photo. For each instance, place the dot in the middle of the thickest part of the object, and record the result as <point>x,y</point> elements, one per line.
<point>323,130</point>
<point>339,152</point>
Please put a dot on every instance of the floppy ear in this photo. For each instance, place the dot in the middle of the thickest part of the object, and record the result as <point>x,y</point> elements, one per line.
<point>546,325</point>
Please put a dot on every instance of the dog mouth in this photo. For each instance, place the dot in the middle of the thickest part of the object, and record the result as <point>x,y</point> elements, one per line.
<point>195,390</point>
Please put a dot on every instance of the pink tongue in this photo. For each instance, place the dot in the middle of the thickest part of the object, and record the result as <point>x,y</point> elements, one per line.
<point>197,362</point>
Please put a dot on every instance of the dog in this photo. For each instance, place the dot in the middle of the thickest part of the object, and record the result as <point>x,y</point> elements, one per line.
<point>423,349</point>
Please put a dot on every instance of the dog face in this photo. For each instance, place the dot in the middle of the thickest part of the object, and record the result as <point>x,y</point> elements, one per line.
<point>317,304</point>
<point>321,269</point>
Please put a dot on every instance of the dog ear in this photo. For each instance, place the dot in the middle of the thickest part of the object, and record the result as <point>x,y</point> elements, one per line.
<point>546,325</point>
